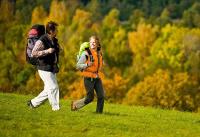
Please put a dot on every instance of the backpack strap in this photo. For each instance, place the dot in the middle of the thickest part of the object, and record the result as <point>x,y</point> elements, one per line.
<point>98,55</point>
<point>86,56</point>
<point>45,40</point>
<point>90,54</point>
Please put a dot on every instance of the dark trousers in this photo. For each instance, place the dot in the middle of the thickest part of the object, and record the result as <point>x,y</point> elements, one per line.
<point>92,84</point>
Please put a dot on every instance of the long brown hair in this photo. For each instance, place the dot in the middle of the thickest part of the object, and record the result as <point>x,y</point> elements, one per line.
<point>97,41</point>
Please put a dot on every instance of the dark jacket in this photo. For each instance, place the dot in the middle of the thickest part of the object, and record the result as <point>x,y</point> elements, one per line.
<point>49,62</point>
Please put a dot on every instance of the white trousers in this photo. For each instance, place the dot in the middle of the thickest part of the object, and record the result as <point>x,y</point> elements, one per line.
<point>50,92</point>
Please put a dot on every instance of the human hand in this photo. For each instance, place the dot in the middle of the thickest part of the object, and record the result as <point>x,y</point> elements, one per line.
<point>50,50</point>
<point>90,64</point>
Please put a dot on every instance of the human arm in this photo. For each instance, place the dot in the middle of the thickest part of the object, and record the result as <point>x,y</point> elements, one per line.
<point>81,64</point>
<point>38,50</point>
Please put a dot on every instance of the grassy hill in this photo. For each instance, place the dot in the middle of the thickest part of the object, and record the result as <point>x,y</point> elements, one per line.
<point>17,120</point>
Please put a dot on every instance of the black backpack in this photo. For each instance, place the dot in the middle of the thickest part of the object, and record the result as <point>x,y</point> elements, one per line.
<point>34,34</point>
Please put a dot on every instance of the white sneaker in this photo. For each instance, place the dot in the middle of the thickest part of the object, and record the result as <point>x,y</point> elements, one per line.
<point>56,108</point>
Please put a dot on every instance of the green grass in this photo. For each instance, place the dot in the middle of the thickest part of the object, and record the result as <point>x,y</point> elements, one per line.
<point>17,120</point>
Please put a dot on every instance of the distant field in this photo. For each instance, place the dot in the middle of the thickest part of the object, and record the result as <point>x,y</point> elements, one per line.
<point>17,120</point>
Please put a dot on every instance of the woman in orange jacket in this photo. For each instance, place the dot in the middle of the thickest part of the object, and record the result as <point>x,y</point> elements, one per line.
<point>91,64</point>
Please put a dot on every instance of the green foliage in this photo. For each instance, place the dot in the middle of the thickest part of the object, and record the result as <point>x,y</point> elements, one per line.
<point>7,10</point>
<point>24,75</point>
<point>115,46</point>
<point>9,69</point>
<point>164,17</point>
<point>11,53</point>
<point>94,8</point>
<point>117,52</point>
<point>191,17</point>
<point>14,38</point>
<point>136,17</point>
<point>24,11</point>
<point>175,48</point>
<point>110,23</point>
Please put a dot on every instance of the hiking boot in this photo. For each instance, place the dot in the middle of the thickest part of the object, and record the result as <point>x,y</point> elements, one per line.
<point>30,105</point>
<point>73,107</point>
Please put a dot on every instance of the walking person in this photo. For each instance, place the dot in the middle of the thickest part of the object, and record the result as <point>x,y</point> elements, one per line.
<point>47,51</point>
<point>90,65</point>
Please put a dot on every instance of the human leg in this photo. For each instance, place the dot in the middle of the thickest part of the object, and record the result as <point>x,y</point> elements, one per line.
<point>53,91</point>
<point>100,95</point>
<point>50,92</point>
<point>42,95</point>
<point>89,86</point>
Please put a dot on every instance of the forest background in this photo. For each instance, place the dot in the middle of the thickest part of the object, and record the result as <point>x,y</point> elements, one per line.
<point>151,48</point>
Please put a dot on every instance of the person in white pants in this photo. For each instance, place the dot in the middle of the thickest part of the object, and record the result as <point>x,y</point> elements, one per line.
<point>50,92</point>
<point>46,50</point>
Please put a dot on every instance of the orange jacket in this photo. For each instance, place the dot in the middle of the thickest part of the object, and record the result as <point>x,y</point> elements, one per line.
<point>93,71</point>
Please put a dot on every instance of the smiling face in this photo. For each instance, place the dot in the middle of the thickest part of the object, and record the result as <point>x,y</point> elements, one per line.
<point>94,42</point>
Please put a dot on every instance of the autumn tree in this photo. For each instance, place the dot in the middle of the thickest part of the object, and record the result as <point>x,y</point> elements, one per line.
<point>58,12</point>
<point>166,90</point>
<point>191,17</point>
<point>38,15</point>
<point>140,42</point>
<point>117,51</point>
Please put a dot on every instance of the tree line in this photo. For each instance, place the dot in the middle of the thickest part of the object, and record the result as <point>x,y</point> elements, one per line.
<point>151,48</point>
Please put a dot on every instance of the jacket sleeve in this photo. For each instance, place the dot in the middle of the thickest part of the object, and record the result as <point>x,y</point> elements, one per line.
<point>38,50</point>
<point>81,64</point>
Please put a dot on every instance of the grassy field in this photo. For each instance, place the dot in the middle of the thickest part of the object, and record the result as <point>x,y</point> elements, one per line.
<point>17,120</point>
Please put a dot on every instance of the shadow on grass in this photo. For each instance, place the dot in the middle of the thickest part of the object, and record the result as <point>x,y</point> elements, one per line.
<point>114,114</point>
<point>198,122</point>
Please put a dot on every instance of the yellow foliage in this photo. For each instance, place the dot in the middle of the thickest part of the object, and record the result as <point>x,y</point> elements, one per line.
<point>6,10</point>
<point>76,90</point>
<point>111,20</point>
<point>81,20</point>
<point>115,88</point>
<point>58,12</point>
<point>141,40</point>
<point>165,90</point>
<point>95,27</point>
<point>175,46</point>
<point>34,85</point>
<point>38,15</point>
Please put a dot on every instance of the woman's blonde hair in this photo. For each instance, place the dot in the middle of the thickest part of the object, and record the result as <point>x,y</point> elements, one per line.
<point>96,39</point>
<point>97,42</point>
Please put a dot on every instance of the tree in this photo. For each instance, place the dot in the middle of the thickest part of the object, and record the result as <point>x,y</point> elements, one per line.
<point>140,42</point>
<point>117,51</point>
<point>58,12</point>
<point>24,11</point>
<point>38,15</point>
<point>191,17</point>
<point>164,18</point>
<point>95,9</point>
<point>110,24</point>
<point>136,17</point>
<point>167,90</point>
<point>7,10</point>
<point>175,47</point>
